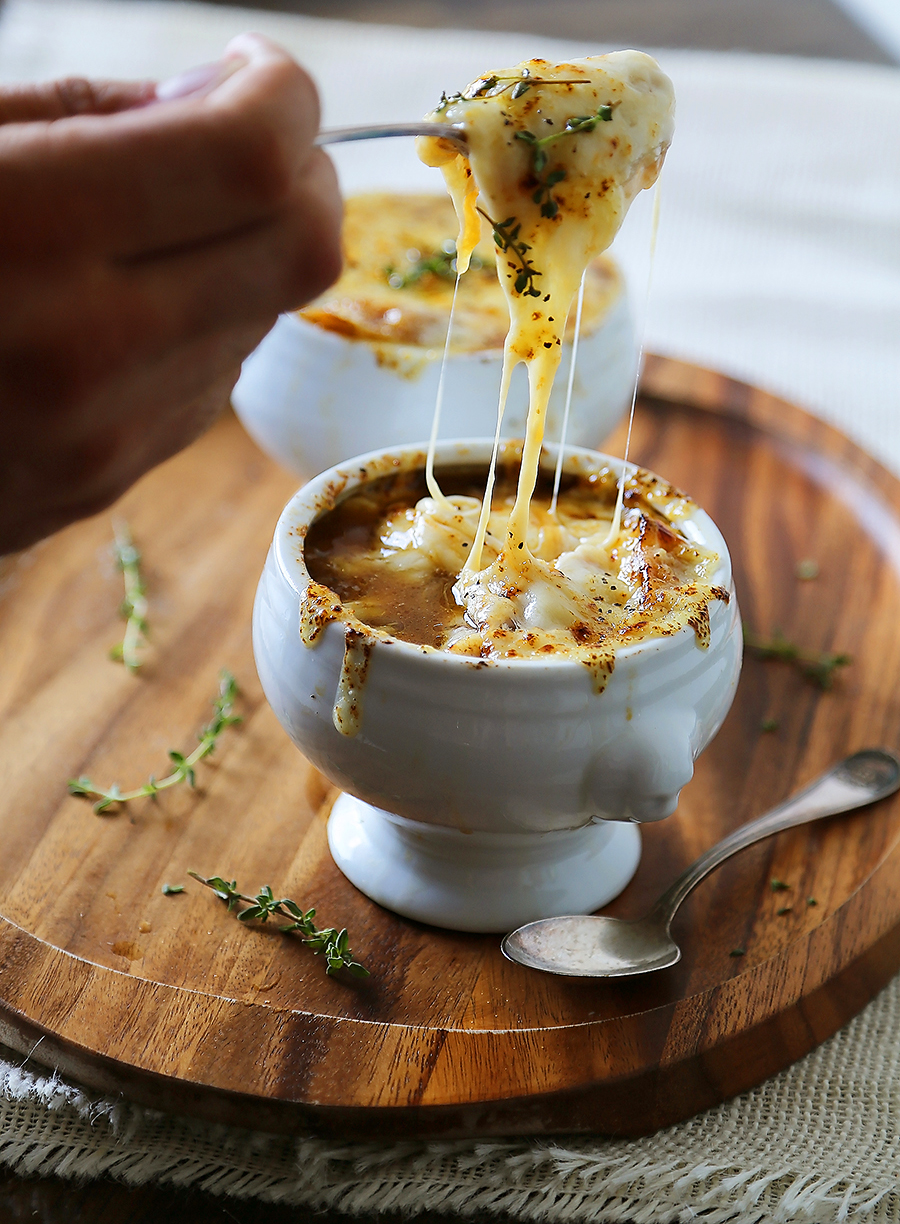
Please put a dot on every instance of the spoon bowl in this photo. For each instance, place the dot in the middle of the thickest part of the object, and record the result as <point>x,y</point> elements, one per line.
<point>586,946</point>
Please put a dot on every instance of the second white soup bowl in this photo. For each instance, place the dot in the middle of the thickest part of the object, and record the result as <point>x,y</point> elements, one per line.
<point>309,396</point>
<point>481,794</point>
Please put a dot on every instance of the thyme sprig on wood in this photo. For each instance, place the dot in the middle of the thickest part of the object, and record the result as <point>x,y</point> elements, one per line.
<point>329,942</point>
<point>134,606</point>
<point>506,236</point>
<point>818,666</point>
<point>184,765</point>
<point>547,179</point>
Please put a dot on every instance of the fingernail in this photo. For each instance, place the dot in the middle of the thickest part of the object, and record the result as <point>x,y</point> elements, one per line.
<point>201,80</point>
<point>248,41</point>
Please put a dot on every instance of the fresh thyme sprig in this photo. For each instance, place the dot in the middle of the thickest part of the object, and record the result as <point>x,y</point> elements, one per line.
<point>547,179</point>
<point>446,100</point>
<point>546,183</point>
<point>184,765</point>
<point>506,236</point>
<point>134,606</point>
<point>480,90</point>
<point>329,942</point>
<point>819,667</point>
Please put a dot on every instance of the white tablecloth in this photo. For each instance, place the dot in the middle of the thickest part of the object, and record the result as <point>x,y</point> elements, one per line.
<point>779,262</point>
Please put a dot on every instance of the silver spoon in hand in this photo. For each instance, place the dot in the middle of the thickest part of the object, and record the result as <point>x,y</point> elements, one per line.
<point>420,127</point>
<point>588,946</point>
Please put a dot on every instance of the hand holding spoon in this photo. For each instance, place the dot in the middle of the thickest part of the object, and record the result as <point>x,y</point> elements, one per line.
<point>588,946</point>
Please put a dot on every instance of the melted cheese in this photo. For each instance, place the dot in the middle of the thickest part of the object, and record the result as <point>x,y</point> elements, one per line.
<point>392,557</point>
<point>398,278</point>
<point>555,155</point>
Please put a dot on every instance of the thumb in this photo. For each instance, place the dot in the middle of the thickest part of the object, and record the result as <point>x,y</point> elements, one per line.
<point>72,96</point>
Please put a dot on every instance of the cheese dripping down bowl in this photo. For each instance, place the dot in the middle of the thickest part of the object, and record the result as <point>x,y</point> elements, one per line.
<point>483,793</point>
<point>358,369</point>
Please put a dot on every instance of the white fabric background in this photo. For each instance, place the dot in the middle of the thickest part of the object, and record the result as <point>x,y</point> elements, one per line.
<point>881,18</point>
<point>779,262</point>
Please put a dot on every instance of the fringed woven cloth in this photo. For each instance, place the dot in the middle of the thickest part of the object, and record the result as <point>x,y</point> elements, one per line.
<point>778,262</point>
<point>819,1143</point>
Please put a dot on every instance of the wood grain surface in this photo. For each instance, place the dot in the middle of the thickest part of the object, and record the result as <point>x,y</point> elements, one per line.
<point>171,1001</point>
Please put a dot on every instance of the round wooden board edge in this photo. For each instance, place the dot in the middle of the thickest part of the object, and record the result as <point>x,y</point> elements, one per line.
<point>670,380</point>
<point>685,1081</point>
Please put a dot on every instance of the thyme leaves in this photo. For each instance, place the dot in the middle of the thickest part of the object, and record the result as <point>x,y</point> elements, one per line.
<point>547,179</point>
<point>329,942</point>
<point>487,87</point>
<point>183,770</point>
<point>134,605</point>
<point>506,236</point>
<point>584,123</point>
<point>440,263</point>
<point>818,666</point>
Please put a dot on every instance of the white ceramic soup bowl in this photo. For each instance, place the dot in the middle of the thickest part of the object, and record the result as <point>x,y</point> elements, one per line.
<point>309,396</point>
<point>479,794</point>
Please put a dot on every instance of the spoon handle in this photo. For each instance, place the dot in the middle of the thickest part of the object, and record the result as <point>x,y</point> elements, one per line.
<point>418,128</point>
<point>859,779</point>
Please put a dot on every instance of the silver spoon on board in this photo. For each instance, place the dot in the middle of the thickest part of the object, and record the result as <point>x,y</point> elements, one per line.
<point>588,946</point>
<point>419,128</point>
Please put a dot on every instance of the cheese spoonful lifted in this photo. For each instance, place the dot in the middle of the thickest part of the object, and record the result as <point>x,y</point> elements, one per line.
<point>554,155</point>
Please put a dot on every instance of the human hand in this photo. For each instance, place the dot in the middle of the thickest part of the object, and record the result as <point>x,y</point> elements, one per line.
<point>148,241</point>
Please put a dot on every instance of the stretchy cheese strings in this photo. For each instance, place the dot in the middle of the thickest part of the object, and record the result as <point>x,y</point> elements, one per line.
<point>557,477</point>
<point>431,481</point>
<point>616,525</point>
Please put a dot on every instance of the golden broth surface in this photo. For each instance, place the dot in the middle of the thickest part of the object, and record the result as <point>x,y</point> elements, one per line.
<point>392,555</point>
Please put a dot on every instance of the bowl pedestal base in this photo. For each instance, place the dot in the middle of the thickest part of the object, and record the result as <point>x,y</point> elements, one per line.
<point>480,882</point>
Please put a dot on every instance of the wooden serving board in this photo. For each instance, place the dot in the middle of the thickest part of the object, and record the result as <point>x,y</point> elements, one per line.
<point>173,1002</point>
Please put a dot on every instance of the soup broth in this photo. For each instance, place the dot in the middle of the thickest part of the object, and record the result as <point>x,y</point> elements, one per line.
<point>394,558</point>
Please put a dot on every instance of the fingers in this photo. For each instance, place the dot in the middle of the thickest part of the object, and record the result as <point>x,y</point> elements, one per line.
<point>163,176</point>
<point>145,248</point>
<point>73,332</point>
<point>82,465</point>
<point>203,79</point>
<point>275,266</point>
<point>72,96</point>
